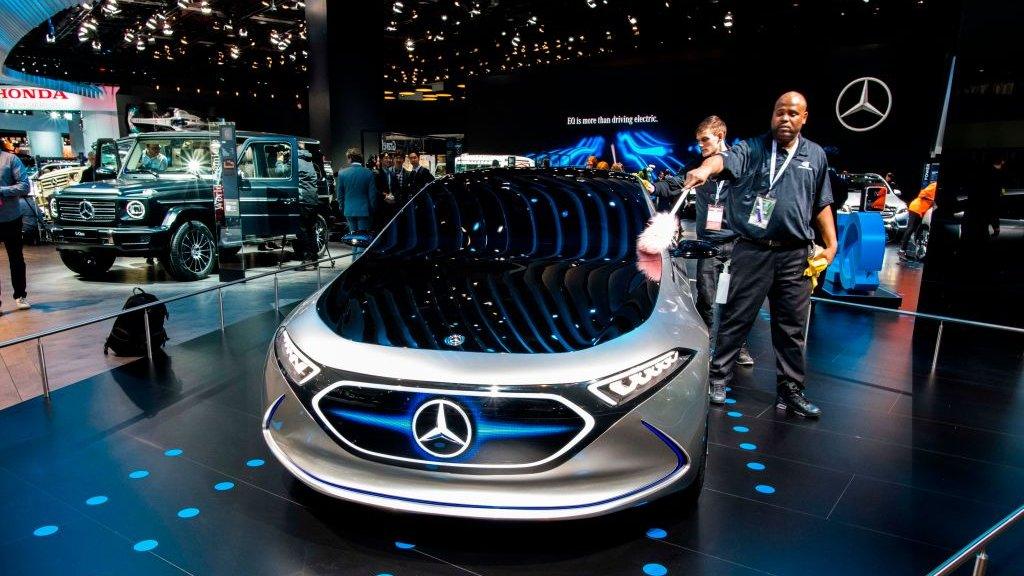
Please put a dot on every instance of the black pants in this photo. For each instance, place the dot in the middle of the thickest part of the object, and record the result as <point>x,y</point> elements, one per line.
<point>759,271</point>
<point>708,270</point>
<point>913,222</point>
<point>10,235</point>
<point>305,239</point>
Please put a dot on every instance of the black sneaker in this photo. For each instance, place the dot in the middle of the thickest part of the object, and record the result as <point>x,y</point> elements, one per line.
<point>718,394</point>
<point>791,398</point>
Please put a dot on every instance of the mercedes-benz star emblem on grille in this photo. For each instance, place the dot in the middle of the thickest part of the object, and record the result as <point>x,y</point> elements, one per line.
<point>455,340</point>
<point>442,428</point>
<point>86,210</point>
<point>857,112</point>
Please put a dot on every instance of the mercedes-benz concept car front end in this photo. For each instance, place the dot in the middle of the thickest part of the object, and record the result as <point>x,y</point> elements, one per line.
<point>497,353</point>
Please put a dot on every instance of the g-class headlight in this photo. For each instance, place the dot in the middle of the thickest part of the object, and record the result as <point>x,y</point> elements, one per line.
<point>53,207</point>
<point>135,209</point>
<point>297,367</point>
<point>627,385</point>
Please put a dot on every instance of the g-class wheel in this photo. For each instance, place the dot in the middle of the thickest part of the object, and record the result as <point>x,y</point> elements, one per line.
<point>321,233</point>
<point>192,252</point>
<point>87,264</point>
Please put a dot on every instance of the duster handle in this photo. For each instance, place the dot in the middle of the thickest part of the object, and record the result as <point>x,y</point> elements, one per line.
<point>679,203</point>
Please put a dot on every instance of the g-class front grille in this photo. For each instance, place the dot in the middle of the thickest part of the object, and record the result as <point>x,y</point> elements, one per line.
<point>83,210</point>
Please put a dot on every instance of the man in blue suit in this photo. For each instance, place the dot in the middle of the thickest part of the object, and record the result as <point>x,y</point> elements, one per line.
<point>358,191</point>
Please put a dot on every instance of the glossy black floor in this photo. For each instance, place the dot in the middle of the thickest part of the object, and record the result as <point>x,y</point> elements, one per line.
<point>162,470</point>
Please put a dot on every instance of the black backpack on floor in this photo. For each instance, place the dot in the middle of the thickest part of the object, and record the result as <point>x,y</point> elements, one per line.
<point>128,337</point>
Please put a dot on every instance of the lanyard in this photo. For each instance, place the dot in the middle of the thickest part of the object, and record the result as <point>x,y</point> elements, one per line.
<point>772,178</point>
<point>718,192</point>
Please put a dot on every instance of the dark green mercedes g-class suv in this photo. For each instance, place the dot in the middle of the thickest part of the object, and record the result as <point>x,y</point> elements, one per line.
<point>159,200</point>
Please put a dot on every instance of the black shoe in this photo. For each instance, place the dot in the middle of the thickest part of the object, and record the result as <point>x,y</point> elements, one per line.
<point>791,398</point>
<point>744,358</point>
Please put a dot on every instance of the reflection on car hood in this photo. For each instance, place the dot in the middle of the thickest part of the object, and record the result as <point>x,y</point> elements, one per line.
<point>520,261</point>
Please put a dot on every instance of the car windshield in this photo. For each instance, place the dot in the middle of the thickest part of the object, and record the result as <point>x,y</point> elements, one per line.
<point>190,156</point>
<point>511,260</point>
<point>507,215</point>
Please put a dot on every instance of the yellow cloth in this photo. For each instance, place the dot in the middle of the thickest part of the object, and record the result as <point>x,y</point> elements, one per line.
<point>815,266</point>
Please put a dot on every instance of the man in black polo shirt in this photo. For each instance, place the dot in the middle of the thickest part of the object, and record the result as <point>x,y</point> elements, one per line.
<point>780,188</point>
<point>713,227</point>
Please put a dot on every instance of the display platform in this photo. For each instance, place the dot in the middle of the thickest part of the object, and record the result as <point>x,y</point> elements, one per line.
<point>162,470</point>
<point>878,297</point>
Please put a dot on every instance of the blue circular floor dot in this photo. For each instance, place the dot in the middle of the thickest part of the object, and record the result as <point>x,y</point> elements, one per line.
<point>404,545</point>
<point>174,452</point>
<point>255,463</point>
<point>755,466</point>
<point>188,512</point>
<point>384,574</point>
<point>734,414</point>
<point>96,500</point>
<point>138,474</point>
<point>655,570</point>
<point>748,446</point>
<point>222,486</point>
<point>145,545</point>
<point>45,531</point>
<point>764,489</point>
<point>741,429</point>
<point>656,533</point>
<point>730,400</point>
<point>728,389</point>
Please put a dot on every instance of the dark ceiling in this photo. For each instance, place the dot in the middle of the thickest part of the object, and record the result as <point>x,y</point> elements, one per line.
<point>260,46</point>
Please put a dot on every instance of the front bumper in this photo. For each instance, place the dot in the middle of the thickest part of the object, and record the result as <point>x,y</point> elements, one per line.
<point>654,449</point>
<point>126,240</point>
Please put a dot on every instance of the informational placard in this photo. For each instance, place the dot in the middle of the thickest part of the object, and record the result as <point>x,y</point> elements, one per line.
<point>228,216</point>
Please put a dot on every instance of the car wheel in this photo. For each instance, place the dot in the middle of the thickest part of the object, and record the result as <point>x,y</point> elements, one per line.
<point>321,233</point>
<point>192,253</point>
<point>87,264</point>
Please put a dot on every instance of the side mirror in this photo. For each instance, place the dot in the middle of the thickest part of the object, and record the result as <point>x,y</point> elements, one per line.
<point>692,249</point>
<point>357,239</point>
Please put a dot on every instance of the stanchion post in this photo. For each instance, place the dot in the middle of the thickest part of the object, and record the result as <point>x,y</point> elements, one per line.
<point>980,564</point>
<point>319,283</point>
<point>277,305</point>
<point>938,342</point>
<point>149,337</point>
<point>42,369</point>
<point>220,303</point>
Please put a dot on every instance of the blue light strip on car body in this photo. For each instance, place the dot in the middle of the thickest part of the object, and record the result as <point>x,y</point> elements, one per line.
<point>681,462</point>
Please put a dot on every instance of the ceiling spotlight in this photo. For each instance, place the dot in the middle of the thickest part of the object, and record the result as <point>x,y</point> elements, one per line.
<point>167,29</point>
<point>410,45</point>
<point>204,7</point>
<point>68,116</point>
<point>591,4</point>
<point>397,7</point>
<point>727,22</point>
<point>140,45</point>
<point>242,32</point>
<point>183,4</point>
<point>50,38</point>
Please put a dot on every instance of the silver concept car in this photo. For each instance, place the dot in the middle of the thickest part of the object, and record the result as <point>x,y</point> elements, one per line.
<point>498,353</point>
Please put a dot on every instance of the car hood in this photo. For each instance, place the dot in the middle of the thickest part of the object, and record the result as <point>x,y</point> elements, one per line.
<point>128,187</point>
<point>480,305</point>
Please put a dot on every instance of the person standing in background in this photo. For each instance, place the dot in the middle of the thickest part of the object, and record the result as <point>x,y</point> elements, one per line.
<point>713,226</point>
<point>14,186</point>
<point>356,186</point>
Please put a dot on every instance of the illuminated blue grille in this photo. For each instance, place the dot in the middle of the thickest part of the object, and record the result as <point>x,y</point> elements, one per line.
<point>478,431</point>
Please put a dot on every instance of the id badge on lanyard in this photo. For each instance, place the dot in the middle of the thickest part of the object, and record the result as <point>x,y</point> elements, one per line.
<point>716,212</point>
<point>764,204</point>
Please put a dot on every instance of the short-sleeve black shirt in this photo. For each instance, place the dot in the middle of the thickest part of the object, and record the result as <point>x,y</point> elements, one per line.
<point>800,192</point>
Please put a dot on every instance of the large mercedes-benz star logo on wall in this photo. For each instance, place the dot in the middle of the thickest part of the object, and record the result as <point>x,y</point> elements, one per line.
<point>442,428</point>
<point>86,210</point>
<point>860,106</point>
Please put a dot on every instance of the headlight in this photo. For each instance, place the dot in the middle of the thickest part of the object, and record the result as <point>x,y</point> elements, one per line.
<point>135,209</point>
<point>627,385</point>
<point>53,207</point>
<point>297,367</point>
